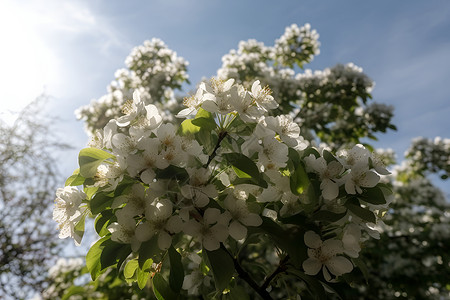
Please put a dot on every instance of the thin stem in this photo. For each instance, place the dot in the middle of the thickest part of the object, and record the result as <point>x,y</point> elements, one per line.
<point>281,268</point>
<point>222,135</point>
<point>246,277</point>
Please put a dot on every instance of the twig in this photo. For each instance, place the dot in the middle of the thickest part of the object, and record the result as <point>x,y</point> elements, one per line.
<point>281,268</point>
<point>246,277</point>
<point>222,135</point>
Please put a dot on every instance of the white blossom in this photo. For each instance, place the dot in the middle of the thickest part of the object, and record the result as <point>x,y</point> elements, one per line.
<point>67,211</point>
<point>324,255</point>
<point>123,231</point>
<point>285,127</point>
<point>240,217</point>
<point>262,96</point>
<point>193,103</point>
<point>328,173</point>
<point>360,176</point>
<point>160,222</point>
<point>198,189</point>
<point>210,229</point>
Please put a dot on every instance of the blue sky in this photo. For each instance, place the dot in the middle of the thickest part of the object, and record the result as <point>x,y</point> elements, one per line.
<point>72,49</point>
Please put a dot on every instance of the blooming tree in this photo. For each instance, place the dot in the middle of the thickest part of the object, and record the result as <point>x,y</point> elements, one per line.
<point>28,178</point>
<point>263,188</point>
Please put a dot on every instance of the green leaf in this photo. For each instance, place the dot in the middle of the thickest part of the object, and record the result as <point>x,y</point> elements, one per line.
<point>362,267</point>
<point>143,274</point>
<point>79,227</point>
<point>202,113</point>
<point>130,268</point>
<point>89,159</point>
<point>72,291</point>
<point>90,191</point>
<point>287,240</point>
<point>161,289</point>
<point>297,219</point>
<point>313,194</point>
<point>75,179</point>
<point>205,120</point>
<point>299,180</point>
<point>243,166</point>
<point>240,127</point>
<point>239,293</point>
<point>103,254</point>
<point>393,127</point>
<point>149,250</point>
<point>373,195</point>
<point>314,286</point>
<point>207,139</point>
<point>176,276</point>
<point>100,202</point>
<point>204,123</point>
<point>309,151</point>
<point>328,156</point>
<point>222,267</point>
<point>172,172</point>
<point>102,222</point>
<point>365,214</point>
<point>328,216</point>
<point>338,294</point>
<point>293,155</point>
<point>187,128</point>
<point>259,182</point>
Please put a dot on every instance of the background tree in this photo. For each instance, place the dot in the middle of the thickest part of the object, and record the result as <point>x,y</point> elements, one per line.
<point>28,178</point>
<point>412,256</point>
<point>333,107</point>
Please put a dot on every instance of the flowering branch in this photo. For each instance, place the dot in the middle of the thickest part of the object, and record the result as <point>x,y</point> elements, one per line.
<point>149,186</point>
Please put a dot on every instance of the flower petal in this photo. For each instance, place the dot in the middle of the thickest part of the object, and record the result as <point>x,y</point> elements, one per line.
<point>370,179</point>
<point>339,265</point>
<point>237,230</point>
<point>330,189</point>
<point>210,243</point>
<point>144,232</point>
<point>311,266</point>
<point>164,240</point>
<point>251,219</point>
<point>312,239</point>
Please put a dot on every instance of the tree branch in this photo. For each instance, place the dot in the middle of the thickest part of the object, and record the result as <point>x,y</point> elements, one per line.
<point>246,277</point>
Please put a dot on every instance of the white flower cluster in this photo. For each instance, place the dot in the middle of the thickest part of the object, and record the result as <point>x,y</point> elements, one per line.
<point>430,155</point>
<point>297,45</point>
<point>68,211</point>
<point>62,274</point>
<point>166,184</point>
<point>144,146</point>
<point>64,265</point>
<point>247,62</point>
<point>154,70</point>
<point>353,170</point>
<point>334,83</point>
<point>272,65</point>
<point>250,61</point>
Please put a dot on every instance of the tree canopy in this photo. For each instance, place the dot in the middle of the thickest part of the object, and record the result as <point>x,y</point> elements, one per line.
<point>262,183</point>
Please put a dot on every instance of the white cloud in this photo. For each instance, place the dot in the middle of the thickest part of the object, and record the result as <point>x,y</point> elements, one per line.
<point>32,35</point>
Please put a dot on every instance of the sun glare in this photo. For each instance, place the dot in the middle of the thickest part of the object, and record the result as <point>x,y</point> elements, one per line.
<point>26,63</point>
